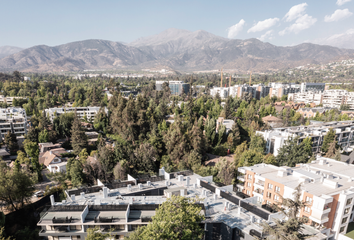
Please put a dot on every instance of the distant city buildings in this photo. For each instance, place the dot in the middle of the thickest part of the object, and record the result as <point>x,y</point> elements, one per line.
<point>328,98</point>
<point>176,87</point>
<point>14,120</point>
<point>260,90</point>
<point>89,112</point>
<point>276,138</point>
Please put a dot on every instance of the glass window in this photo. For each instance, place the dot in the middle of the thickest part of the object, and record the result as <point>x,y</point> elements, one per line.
<point>277,189</point>
<point>249,176</point>
<point>308,199</point>
<point>249,184</point>
<point>269,195</point>
<point>347,210</point>
<point>270,186</point>
<point>344,220</point>
<point>349,201</point>
<point>341,229</point>
<point>307,209</point>
<point>276,198</point>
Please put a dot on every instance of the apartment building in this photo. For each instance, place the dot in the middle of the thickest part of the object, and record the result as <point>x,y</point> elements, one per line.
<point>9,100</point>
<point>176,87</point>
<point>328,98</point>
<point>327,187</point>
<point>89,112</point>
<point>13,119</point>
<point>311,112</point>
<point>277,137</point>
<point>120,208</point>
<point>257,91</point>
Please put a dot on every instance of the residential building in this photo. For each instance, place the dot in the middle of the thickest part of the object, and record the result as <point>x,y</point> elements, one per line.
<point>120,208</point>
<point>44,147</point>
<point>176,87</point>
<point>228,123</point>
<point>89,112</point>
<point>272,121</point>
<point>326,185</point>
<point>311,112</point>
<point>53,160</point>
<point>257,91</point>
<point>277,137</point>
<point>328,98</point>
<point>9,100</point>
<point>13,119</point>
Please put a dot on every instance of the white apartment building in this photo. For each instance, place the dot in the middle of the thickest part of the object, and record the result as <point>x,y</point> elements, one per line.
<point>120,208</point>
<point>9,100</point>
<point>327,187</point>
<point>277,137</point>
<point>89,112</point>
<point>13,119</point>
<point>329,98</point>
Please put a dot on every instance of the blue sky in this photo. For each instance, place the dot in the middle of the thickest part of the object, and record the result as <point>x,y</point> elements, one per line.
<point>27,23</point>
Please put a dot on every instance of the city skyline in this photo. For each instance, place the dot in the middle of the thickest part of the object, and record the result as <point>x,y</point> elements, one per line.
<point>278,22</point>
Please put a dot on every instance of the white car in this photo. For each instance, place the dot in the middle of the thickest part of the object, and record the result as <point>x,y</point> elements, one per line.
<point>39,194</point>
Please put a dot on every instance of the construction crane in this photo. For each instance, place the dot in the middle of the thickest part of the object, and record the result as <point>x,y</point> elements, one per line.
<point>230,81</point>
<point>221,78</point>
<point>250,78</point>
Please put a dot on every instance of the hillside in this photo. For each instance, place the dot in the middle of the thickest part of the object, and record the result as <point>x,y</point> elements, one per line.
<point>174,48</point>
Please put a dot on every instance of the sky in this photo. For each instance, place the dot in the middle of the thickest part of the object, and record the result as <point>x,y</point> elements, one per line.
<point>26,23</point>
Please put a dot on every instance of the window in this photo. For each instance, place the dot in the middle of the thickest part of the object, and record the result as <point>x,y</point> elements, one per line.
<point>249,176</point>
<point>308,199</point>
<point>276,198</point>
<point>341,229</point>
<point>248,193</point>
<point>307,209</point>
<point>344,220</point>
<point>270,186</point>
<point>349,201</point>
<point>277,189</point>
<point>347,210</point>
<point>269,195</point>
<point>249,184</point>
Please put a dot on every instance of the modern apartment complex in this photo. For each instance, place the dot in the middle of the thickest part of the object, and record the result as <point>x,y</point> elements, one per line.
<point>260,90</point>
<point>176,87</point>
<point>277,137</point>
<point>89,112</point>
<point>9,100</point>
<point>120,208</point>
<point>13,119</point>
<point>329,98</point>
<point>327,187</point>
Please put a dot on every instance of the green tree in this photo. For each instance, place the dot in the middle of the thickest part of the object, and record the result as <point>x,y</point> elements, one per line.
<point>332,149</point>
<point>16,187</point>
<point>76,174</point>
<point>78,136</point>
<point>31,148</point>
<point>328,138</point>
<point>96,234</point>
<point>292,227</point>
<point>43,136</point>
<point>11,141</point>
<point>257,143</point>
<point>178,218</point>
<point>293,152</point>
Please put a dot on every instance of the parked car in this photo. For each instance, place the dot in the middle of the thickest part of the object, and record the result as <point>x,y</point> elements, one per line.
<point>39,194</point>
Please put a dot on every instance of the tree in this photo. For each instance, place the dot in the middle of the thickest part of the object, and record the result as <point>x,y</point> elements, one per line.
<point>292,228</point>
<point>2,234</point>
<point>96,234</point>
<point>43,136</point>
<point>16,187</point>
<point>31,148</point>
<point>11,141</point>
<point>178,218</point>
<point>32,134</point>
<point>76,174</point>
<point>257,143</point>
<point>292,153</point>
<point>78,136</point>
<point>328,138</point>
<point>332,149</point>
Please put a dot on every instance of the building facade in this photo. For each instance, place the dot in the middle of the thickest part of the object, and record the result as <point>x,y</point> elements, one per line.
<point>277,137</point>
<point>326,184</point>
<point>176,87</point>
<point>89,112</point>
<point>13,119</point>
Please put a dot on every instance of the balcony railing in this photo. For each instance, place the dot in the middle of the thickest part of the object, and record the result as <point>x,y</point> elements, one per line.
<point>260,183</point>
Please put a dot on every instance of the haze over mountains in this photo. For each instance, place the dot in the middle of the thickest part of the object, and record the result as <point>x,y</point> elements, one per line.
<point>174,48</point>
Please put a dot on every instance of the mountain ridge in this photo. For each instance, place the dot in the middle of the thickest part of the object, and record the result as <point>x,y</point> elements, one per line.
<point>174,48</point>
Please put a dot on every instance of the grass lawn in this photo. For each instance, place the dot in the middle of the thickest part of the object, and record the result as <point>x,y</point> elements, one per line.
<point>350,231</point>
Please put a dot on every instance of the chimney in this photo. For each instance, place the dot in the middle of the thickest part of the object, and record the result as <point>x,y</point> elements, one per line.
<point>105,192</point>
<point>187,181</point>
<point>82,195</point>
<point>215,196</point>
<point>73,197</point>
<point>52,201</point>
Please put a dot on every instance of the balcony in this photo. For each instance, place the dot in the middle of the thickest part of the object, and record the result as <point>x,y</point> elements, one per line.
<point>322,219</point>
<point>259,184</point>
<point>327,208</point>
<point>241,178</point>
<point>258,192</point>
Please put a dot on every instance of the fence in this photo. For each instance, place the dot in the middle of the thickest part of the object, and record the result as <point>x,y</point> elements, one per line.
<point>108,207</point>
<point>207,186</point>
<point>77,192</point>
<point>255,210</point>
<point>115,185</point>
<point>151,179</point>
<point>229,197</point>
<point>71,208</point>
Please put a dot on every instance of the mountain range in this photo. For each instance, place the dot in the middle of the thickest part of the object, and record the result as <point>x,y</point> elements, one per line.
<point>173,49</point>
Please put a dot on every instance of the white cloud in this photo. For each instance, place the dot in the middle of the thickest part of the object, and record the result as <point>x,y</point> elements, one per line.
<point>341,2</point>
<point>268,35</point>
<point>295,12</point>
<point>342,40</point>
<point>235,29</point>
<point>338,15</point>
<point>263,25</point>
<point>300,24</point>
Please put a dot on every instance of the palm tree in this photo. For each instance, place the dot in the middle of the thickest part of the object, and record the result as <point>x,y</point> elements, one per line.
<point>292,228</point>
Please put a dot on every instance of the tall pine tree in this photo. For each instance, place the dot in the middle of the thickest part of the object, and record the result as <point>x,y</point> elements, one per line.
<point>78,136</point>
